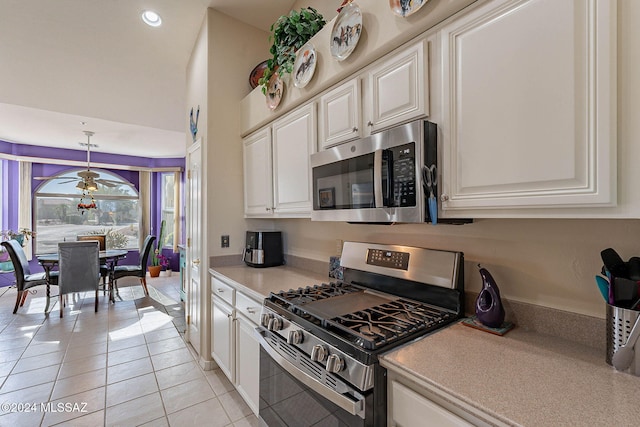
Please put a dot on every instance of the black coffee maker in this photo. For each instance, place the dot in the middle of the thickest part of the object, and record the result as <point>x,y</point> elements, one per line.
<point>263,249</point>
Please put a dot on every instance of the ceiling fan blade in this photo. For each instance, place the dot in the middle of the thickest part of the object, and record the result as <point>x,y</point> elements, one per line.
<point>71,180</point>
<point>106,183</point>
<point>44,178</point>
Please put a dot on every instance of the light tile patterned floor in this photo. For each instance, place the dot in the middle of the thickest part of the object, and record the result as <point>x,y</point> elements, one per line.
<point>126,365</point>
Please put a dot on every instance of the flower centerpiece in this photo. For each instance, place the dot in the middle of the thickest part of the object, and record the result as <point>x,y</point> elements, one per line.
<point>22,235</point>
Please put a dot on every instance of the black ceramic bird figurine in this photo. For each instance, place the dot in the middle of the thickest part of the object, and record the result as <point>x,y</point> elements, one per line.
<point>193,125</point>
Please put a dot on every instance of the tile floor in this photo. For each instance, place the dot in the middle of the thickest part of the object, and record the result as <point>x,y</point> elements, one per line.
<point>126,365</point>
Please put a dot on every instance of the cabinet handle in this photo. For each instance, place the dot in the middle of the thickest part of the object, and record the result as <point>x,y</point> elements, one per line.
<point>220,290</point>
<point>228,316</point>
<point>251,310</point>
<point>369,123</point>
<point>444,198</point>
<point>355,129</point>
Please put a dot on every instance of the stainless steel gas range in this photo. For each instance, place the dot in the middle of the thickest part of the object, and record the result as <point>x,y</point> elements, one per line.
<point>320,345</point>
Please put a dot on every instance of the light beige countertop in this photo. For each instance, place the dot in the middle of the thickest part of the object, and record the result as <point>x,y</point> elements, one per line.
<point>261,281</point>
<point>522,378</point>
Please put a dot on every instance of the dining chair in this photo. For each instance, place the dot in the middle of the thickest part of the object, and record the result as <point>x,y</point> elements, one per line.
<point>104,268</point>
<point>79,269</point>
<point>25,280</point>
<point>139,270</point>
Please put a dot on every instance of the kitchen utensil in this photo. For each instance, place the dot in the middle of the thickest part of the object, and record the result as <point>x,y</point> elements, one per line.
<point>634,306</point>
<point>614,263</point>
<point>624,355</point>
<point>634,268</point>
<point>429,179</point>
<point>625,291</point>
<point>603,285</point>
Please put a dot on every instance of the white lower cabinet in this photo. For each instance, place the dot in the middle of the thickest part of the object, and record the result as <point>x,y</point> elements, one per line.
<point>247,362</point>
<point>236,350</point>
<point>222,336</point>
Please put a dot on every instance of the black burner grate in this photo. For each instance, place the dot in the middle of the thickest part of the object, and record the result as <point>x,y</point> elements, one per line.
<point>377,326</point>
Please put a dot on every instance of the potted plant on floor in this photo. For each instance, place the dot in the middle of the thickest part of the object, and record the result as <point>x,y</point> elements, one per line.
<point>156,266</point>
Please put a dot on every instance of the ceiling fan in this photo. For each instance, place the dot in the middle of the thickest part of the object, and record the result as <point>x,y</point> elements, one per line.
<point>87,179</point>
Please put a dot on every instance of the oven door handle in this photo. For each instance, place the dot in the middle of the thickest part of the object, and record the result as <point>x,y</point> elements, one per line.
<point>344,402</point>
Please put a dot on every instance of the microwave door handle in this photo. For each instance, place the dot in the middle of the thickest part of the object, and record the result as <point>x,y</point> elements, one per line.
<point>377,178</point>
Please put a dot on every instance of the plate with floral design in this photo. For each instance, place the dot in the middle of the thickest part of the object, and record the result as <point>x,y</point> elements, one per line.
<point>346,31</point>
<point>275,90</point>
<point>304,65</point>
<point>405,8</point>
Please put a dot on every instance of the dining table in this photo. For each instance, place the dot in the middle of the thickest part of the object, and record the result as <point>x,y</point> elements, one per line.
<point>110,258</point>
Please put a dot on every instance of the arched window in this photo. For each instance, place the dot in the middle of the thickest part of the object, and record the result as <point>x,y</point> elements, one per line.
<point>57,217</point>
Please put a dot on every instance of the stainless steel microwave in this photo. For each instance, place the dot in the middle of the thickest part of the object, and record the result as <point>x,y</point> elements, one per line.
<point>388,177</point>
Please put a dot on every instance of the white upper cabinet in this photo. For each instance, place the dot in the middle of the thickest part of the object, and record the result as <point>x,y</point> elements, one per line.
<point>277,173</point>
<point>294,140</point>
<point>529,107</point>
<point>397,88</point>
<point>258,199</point>
<point>339,114</point>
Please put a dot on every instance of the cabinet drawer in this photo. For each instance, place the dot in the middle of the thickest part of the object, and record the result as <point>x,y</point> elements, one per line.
<point>249,307</point>
<point>410,409</point>
<point>222,290</point>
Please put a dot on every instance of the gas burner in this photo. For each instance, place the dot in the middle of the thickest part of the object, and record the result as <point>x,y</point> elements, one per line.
<point>376,326</point>
<point>298,297</point>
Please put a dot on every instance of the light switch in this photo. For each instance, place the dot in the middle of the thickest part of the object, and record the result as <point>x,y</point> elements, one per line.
<point>224,241</point>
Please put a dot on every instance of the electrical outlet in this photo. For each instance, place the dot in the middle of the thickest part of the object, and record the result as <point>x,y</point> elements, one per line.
<point>224,241</point>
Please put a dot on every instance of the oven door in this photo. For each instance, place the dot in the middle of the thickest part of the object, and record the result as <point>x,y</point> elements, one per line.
<point>296,392</point>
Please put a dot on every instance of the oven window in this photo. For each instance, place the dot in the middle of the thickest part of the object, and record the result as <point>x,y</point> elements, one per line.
<point>284,401</point>
<point>347,184</point>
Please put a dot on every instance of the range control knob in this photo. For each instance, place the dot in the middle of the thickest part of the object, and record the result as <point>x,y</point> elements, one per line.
<point>295,337</point>
<point>335,363</point>
<point>274,324</point>
<point>264,319</point>
<point>319,353</point>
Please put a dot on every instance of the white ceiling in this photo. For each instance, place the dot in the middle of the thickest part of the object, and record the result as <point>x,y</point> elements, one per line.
<point>70,61</point>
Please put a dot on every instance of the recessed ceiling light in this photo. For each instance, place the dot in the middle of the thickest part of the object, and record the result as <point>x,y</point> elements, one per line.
<point>151,18</point>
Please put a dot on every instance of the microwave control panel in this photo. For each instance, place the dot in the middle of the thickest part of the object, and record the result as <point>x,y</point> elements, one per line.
<point>403,160</point>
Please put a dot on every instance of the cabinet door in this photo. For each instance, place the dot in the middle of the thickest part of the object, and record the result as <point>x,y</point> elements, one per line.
<point>222,336</point>
<point>247,363</point>
<point>339,114</point>
<point>258,192</point>
<point>529,106</point>
<point>397,89</point>
<point>294,139</point>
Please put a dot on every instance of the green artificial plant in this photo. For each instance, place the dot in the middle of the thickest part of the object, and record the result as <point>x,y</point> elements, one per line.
<point>288,34</point>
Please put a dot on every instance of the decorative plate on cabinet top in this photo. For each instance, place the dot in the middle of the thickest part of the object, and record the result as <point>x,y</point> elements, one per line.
<point>256,74</point>
<point>346,31</point>
<point>275,90</point>
<point>405,8</point>
<point>305,65</point>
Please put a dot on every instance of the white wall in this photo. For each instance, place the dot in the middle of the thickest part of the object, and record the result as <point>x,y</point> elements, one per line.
<point>234,50</point>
